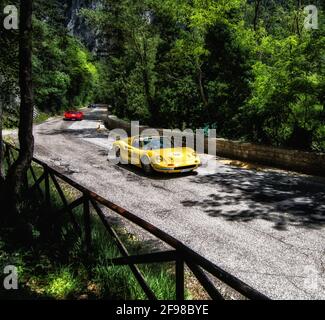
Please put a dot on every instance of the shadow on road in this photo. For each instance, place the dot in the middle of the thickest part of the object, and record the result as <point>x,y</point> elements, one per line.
<point>82,132</point>
<point>243,195</point>
<point>139,173</point>
<point>100,113</point>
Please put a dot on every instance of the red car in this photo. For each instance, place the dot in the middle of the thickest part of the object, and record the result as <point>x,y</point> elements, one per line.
<point>73,115</point>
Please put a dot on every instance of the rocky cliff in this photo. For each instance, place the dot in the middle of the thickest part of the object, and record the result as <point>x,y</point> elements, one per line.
<point>77,25</point>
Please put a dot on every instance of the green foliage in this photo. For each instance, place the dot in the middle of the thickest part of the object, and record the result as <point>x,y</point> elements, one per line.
<point>64,73</point>
<point>41,117</point>
<point>185,64</point>
<point>119,282</point>
<point>8,72</point>
<point>191,64</point>
<point>62,284</point>
<point>287,99</point>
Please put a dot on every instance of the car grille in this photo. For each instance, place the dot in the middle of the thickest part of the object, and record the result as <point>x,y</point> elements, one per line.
<point>185,167</point>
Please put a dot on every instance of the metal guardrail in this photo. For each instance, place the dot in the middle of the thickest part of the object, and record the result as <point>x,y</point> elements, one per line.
<point>181,254</point>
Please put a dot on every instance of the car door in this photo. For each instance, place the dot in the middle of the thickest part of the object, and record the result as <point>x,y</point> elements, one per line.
<point>134,152</point>
<point>123,146</point>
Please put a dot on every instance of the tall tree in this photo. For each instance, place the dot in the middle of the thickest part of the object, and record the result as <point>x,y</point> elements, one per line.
<point>8,74</point>
<point>2,177</point>
<point>17,172</point>
<point>257,11</point>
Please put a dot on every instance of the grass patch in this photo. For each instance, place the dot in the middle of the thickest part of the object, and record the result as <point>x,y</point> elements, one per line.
<point>42,117</point>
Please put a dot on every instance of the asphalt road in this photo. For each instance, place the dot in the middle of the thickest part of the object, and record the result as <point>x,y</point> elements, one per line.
<point>265,227</point>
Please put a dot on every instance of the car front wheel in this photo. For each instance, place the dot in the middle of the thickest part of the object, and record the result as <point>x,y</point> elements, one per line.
<point>146,166</point>
<point>117,155</point>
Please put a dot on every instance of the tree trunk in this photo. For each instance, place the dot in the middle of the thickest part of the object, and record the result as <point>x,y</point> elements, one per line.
<point>298,18</point>
<point>17,172</point>
<point>150,99</point>
<point>201,87</point>
<point>257,10</point>
<point>2,176</point>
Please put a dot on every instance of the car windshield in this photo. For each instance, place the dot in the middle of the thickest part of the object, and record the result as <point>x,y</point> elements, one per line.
<point>155,143</point>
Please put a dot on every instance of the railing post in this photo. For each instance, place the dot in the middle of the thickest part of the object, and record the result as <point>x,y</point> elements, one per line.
<point>87,225</point>
<point>47,186</point>
<point>7,156</point>
<point>180,279</point>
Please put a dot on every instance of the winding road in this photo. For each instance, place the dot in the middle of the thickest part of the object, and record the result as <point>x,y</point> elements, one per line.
<point>266,227</point>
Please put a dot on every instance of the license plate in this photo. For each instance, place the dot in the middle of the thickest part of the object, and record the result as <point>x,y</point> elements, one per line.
<point>187,170</point>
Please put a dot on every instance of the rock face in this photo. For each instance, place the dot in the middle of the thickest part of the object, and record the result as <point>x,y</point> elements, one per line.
<point>77,25</point>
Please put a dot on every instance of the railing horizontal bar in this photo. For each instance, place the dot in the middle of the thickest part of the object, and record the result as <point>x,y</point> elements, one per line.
<point>205,282</point>
<point>135,270</point>
<point>72,205</point>
<point>156,257</point>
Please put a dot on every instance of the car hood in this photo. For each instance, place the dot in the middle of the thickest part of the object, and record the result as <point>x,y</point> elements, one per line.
<point>174,153</point>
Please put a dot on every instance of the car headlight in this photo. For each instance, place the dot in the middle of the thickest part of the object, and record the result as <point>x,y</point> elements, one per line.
<point>192,155</point>
<point>159,159</point>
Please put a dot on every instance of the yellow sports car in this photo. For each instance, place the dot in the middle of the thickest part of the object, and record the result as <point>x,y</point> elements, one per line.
<point>155,154</point>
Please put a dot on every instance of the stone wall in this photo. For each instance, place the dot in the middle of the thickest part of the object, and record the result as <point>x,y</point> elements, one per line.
<point>305,162</point>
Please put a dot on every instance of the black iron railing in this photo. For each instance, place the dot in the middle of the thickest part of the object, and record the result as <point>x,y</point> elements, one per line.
<point>180,253</point>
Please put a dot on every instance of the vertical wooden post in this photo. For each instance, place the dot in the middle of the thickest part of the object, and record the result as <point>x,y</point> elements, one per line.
<point>47,187</point>
<point>87,225</point>
<point>7,156</point>
<point>179,279</point>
